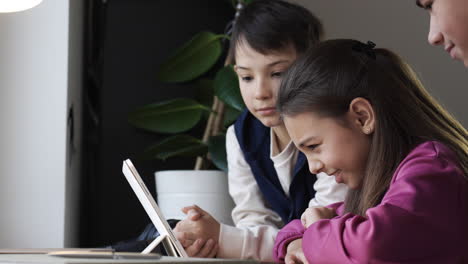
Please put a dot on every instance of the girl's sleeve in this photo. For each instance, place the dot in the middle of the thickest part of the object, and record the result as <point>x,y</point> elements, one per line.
<point>421,219</point>
<point>256,225</point>
<point>292,231</point>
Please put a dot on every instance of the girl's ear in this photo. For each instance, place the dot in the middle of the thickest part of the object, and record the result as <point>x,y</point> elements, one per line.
<point>362,115</point>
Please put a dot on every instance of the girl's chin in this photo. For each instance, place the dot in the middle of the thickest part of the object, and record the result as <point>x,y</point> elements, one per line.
<point>339,179</point>
<point>354,186</point>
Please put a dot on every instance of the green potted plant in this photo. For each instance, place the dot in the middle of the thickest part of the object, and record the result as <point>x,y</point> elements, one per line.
<point>177,116</point>
<point>190,64</point>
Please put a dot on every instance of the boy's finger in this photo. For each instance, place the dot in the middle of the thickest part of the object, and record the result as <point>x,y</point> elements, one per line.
<point>195,207</point>
<point>213,252</point>
<point>186,242</point>
<point>189,236</point>
<point>182,237</point>
<point>194,249</point>
<point>199,209</point>
<point>193,215</point>
<point>206,249</point>
<point>186,209</point>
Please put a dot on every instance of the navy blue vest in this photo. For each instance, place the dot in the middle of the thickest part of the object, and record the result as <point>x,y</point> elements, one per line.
<point>254,141</point>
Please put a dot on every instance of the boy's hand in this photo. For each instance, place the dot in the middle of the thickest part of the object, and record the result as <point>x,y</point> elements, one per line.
<point>294,253</point>
<point>313,214</point>
<point>198,233</point>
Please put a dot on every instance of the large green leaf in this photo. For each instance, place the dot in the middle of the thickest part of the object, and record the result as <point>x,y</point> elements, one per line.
<point>204,91</point>
<point>227,88</point>
<point>193,59</point>
<point>177,146</point>
<point>173,116</point>
<point>217,150</point>
<point>230,115</point>
<point>204,94</point>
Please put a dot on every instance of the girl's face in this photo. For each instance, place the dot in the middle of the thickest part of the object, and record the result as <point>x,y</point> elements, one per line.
<point>259,80</point>
<point>339,149</point>
<point>449,26</point>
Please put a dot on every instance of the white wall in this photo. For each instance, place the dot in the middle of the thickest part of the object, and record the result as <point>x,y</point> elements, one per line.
<point>401,27</point>
<point>33,97</point>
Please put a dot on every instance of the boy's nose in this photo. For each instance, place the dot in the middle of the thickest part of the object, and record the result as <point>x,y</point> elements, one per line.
<point>262,90</point>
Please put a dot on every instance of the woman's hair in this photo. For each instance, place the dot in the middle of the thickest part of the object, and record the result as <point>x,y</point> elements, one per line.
<point>274,25</point>
<point>327,78</point>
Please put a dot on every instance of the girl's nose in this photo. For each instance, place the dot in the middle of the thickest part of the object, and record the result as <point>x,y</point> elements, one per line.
<point>315,166</point>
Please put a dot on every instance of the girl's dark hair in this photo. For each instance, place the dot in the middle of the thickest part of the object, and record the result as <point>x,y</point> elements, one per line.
<point>327,78</point>
<point>274,25</point>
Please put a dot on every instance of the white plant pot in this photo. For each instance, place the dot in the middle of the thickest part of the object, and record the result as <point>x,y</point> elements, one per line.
<point>206,188</point>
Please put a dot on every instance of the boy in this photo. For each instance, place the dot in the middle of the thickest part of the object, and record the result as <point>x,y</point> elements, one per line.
<point>269,179</point>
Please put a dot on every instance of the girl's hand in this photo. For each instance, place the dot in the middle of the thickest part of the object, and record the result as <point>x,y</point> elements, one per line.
<point>198,233</point>
<point>294,253</point>
<point>313,214</point>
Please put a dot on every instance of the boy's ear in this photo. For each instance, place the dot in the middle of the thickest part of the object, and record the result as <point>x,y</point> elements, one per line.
<point>362,114</point>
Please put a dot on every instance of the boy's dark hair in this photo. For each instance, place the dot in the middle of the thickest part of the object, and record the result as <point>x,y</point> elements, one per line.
<point>274,25</point>
<point>328,77</point>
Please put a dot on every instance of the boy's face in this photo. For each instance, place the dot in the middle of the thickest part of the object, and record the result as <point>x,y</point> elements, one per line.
<point>448,26</point>
<point>259,80</point>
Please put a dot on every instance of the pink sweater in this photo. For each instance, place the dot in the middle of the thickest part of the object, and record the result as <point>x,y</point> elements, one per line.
<point>423,218</point>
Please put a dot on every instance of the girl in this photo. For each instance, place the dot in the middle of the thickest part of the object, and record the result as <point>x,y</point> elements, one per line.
<point>362,115</point>
<point>268,178</point>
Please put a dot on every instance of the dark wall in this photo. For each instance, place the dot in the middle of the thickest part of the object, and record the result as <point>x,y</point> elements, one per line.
<point>126,40</point>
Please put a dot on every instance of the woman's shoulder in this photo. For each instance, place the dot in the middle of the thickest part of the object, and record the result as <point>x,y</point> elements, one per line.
<point>433,148</point>
<point>430,157</point>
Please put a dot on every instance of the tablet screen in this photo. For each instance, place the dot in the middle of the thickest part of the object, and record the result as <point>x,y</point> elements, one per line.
<point>172,245</point>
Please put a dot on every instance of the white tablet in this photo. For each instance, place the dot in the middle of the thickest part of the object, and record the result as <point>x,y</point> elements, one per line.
<point>170,242</point>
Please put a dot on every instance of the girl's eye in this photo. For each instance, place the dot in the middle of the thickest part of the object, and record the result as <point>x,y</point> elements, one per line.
<point>312,147</point>
<point>277,74</point>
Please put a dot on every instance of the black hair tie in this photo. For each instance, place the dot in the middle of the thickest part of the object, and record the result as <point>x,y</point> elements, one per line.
<point>368,48</point>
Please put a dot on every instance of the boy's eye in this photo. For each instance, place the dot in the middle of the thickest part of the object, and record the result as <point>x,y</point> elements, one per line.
<point>246,78</point>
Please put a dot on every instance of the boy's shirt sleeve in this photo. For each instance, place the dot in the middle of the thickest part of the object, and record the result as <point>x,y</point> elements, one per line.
<point>254,242</point>
<point>256,226</point>
<point>421,219</point>
<point>327,191</point>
